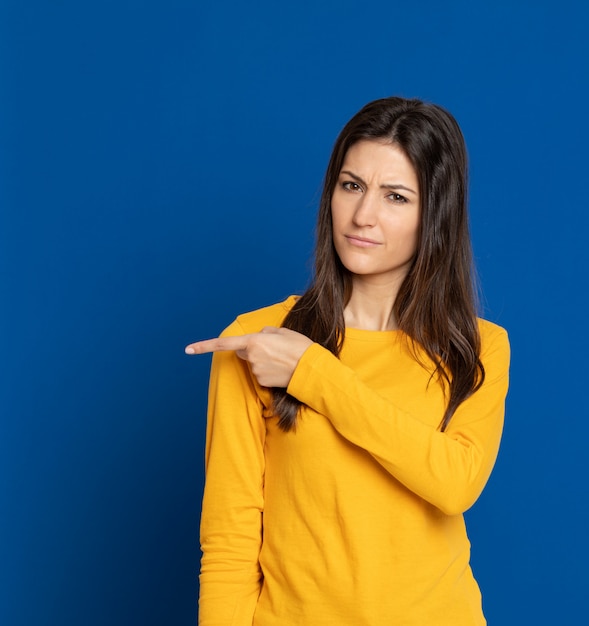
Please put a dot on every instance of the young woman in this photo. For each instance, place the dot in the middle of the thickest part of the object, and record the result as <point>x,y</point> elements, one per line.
<point>350,428</point>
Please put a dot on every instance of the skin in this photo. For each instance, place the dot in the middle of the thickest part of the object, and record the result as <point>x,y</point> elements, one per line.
<point>273,353</point>
<point>375,214</point>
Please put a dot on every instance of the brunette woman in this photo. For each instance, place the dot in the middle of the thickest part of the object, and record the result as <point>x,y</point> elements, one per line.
<point>350,428</point>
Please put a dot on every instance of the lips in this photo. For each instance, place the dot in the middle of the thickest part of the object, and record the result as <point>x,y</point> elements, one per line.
<point>361,242</point>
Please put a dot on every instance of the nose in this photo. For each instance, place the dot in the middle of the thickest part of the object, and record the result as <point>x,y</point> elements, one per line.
<point>366,211</point>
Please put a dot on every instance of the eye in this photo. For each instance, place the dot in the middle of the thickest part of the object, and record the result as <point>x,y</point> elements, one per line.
<point>350,185</point>
<point>397,198</point>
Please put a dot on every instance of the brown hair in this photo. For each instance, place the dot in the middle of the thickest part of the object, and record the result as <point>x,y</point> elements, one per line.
<point>436,303</point>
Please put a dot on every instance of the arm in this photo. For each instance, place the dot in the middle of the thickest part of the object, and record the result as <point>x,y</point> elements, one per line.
<point>231,522</point>
<point>448,469</point>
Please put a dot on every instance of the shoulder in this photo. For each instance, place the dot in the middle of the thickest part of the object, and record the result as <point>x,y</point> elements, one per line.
<point>254,321</point>
<point>490,331</point>
<point>495,349</point>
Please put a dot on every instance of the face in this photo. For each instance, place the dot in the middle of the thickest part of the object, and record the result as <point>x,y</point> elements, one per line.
<point>375,213</point>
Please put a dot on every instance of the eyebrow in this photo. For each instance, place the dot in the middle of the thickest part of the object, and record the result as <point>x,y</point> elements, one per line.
<point>393,186</point>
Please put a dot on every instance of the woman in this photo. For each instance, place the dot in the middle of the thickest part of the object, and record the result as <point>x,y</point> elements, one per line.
<point>350,428</point>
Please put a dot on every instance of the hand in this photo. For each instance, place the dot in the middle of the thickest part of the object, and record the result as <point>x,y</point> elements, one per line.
<point>273,353</point>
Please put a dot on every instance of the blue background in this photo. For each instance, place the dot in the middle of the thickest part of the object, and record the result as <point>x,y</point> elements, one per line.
<point>160,164</point>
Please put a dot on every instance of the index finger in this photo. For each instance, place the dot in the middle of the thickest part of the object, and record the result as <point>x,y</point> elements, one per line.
<point>218,344</point>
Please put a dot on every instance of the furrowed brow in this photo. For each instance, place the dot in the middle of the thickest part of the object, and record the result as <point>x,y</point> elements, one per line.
<point>352,175</point>
<point>394,187</point>
<point>391,186</point>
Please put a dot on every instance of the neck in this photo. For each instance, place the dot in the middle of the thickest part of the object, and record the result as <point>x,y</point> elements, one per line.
<point>371,306</point>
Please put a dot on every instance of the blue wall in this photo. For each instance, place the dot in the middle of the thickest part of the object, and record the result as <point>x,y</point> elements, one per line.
<point>159,170</point>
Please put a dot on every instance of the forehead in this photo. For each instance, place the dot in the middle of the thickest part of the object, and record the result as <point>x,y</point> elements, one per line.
<point>378,157</point>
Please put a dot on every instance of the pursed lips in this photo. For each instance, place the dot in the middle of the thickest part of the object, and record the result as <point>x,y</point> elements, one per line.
<point>361,242</point>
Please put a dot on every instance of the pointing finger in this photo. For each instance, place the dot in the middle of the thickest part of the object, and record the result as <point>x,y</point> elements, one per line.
<point>219,344</point>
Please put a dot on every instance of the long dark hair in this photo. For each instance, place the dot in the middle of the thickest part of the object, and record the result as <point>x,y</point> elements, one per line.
<point>436,303</point>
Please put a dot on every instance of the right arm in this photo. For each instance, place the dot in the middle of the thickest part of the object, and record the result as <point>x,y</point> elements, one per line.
<point>231,521</point>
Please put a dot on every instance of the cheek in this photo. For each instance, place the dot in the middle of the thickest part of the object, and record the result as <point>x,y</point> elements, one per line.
<point>413,237</point>
<point>413,230</point>
<point>336,216</point>
<point>337,226</point>
<point>405,235</point>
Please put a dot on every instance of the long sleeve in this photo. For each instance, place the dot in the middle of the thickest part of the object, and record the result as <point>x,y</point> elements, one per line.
<point>361,501</point>
<point>448,469</point>
<point>231,522</point>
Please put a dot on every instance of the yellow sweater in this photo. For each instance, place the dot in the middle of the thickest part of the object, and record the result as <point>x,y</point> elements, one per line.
<point>355,518</point>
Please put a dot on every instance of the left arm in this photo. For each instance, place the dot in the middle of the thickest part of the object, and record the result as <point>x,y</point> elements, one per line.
<point>448,469</point>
